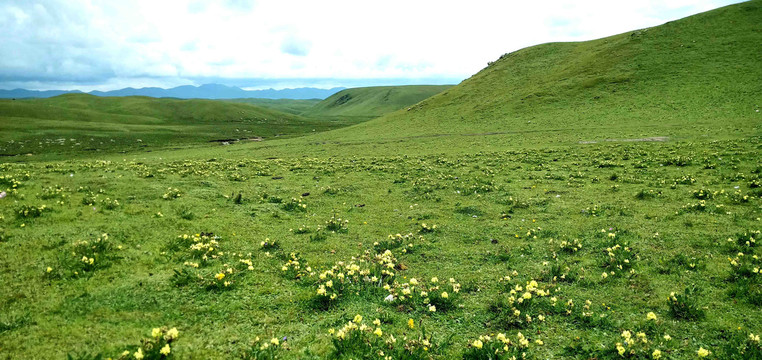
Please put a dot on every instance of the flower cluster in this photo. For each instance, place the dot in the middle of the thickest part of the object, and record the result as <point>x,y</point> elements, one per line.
<point>364,341</point>
<point>171,194</point>
<point>208,267</point>
<point>158,346</point>
<point>570,246</point>
<point>269,245</point>
<point>296,268</point>
<point>430,296</point>
<point>29,211</point>
<point>746,239</point>
<point>355,276</point>
<point>396,241</point>
<point>336,224</point>
<point>499,347</point>
<point>619,260</point>
<point>84,258</point>
<point>262,349</point>
<point>51,192</point>
<point>427,229</point>
<point>203,247</point>
<point>294,205</point>
<point>522,302</point>
<point>746,277</point>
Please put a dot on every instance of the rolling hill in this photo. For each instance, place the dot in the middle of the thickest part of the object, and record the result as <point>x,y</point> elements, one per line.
<point>72,123</point>
<point>694,77</point>
<point>372,102</point>
<point>291,106</point>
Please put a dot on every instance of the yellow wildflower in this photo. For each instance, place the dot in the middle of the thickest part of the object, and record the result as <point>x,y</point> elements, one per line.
<point>165,350</point>
<point>703,352</point>
<point>410,323</point>
<point>477,344</point>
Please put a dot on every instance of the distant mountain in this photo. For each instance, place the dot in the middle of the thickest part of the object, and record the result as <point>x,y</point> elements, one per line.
<point>206,91</point>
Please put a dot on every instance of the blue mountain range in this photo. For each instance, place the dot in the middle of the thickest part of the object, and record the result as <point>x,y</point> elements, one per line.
<point>206,91</point>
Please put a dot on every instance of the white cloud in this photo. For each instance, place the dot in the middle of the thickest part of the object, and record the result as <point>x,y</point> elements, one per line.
<point>108,44</point>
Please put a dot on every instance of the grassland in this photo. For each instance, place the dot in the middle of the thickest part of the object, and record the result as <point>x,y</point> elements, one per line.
<point>626,226</point>
<point>291,106</point>
<point>372,102</point>
<point>79,124</point>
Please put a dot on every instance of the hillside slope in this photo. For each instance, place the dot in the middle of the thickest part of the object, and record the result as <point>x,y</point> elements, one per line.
<point>76,122</point>
<point>291,106</point>
<point>371,102</point>
<point>701,71</point>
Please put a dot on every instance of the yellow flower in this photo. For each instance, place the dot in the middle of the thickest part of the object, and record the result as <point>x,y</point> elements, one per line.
<point>156,333</point>
<point>219,276</point>
<point>49,269</point>
<point>377,322</point>
<point>165,350</point>
<point>703,352</point>
<point>413,281</point>
<point>378,332</point>
<point>445,295</point>
<point>432,308</point>
<point>410,323</point>
<point>667,337</point>
<point>477,344</point>
<point>138,354</point>
<point>620,348</point>
<point>172,334</point>
<point>358,319</point>
<point>274,341</point>
<point>651,316</point>
<point>656,354</point>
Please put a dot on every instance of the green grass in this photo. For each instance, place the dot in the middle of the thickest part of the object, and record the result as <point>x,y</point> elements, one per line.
<point>78,124</point>
<point>371,102</point>
<point>567,199</point>
<point>291,106</point>
<point>483,205</point>
<point>693,78</point>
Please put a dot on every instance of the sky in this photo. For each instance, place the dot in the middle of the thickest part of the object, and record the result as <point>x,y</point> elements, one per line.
<point>255,44</point>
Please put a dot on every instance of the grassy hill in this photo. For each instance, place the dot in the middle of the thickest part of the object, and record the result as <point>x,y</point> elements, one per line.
<point>371,102</point>
<point>512,216</point>
<point>696,76</point>
<point>75,123</point>
<point>291,106</point>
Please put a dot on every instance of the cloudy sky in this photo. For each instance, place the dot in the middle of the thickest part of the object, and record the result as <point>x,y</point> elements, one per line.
<point>111,44</point>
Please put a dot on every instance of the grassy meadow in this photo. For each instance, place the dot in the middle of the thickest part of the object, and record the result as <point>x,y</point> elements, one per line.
<point>596,200</point>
